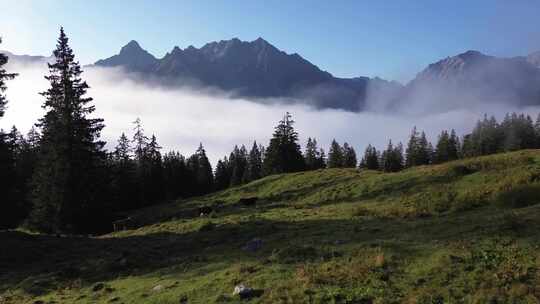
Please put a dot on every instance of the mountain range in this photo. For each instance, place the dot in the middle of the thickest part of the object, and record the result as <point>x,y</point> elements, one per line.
<point>249,69</point>
<point>260,71</point>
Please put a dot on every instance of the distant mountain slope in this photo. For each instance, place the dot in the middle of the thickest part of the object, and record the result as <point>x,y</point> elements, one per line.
<point>132,57</point>
<point>473,77</point>
<point>25,59</point>
<point>249,69</point>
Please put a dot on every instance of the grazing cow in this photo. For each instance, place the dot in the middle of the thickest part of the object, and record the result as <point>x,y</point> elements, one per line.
<point>248,201</point>
<point>205,210</point>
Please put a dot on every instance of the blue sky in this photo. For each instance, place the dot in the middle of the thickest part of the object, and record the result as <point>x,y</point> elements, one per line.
<point>390,39</point>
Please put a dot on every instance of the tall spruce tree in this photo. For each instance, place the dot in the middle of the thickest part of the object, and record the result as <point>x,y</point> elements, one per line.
<point>4,75</point>
<point>370,160</point>
<point>68,180</point>
<point>419,151</point>
<point>392,158</point>
<point>283,152</point>
<point>335,155</point>
<point>349,156</point>
<point>238,162</point>
<point>124,176</point>
<point>154,182</point>
<point>254,164</point>
<point>201,172</point>
<point>222,174</point>
<point>8,204</point>
<point>7,171</point>
<point>313,155</point>
<point>175,175</point>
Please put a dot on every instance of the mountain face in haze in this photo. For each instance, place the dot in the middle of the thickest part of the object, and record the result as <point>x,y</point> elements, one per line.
<point>26,60</point>
<point>249,69</point>
<point>473,77</point>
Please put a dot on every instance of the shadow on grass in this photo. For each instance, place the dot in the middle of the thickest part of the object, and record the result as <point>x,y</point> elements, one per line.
<point>30,261</point>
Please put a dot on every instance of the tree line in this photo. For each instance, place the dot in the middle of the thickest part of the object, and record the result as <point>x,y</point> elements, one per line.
<point>59,177</point>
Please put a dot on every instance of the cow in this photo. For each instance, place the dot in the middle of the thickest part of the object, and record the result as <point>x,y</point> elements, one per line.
<point>205,210</point>
<point>248,201</point>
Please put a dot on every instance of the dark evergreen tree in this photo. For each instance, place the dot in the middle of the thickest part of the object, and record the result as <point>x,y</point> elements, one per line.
<point>392,158</point>
<point>124,178</point>
<point>349,156</point>
<point>238,162</point>
<point>486,138</point>
<point>283,153</point>
<point>68,185</point>
<point>154,181</point>
<point>335,155</point>
<point>4,75</point>
<point>454,147</point>
<point>313,155</point>
<point>419,151</point>
<point>222,174</point>
<point>139,140</point>
<point>446,148</point>
<point>201,172</point>
<point>175,175</point>
<point>8,205</point>
<point>26,159</point>
<point>370,160</point>
<point>254,164</point>
<point>519,132</point>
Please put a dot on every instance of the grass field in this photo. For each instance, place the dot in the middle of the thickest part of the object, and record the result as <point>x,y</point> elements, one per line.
<point>462,232</point>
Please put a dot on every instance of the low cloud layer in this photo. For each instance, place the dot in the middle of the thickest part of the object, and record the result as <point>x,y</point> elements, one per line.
<point>183,118</point>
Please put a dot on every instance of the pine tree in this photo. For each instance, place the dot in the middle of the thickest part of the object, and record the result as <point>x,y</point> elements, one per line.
<point>154,181</point>
<point>370,160</point>
<point>68,180</point>
<point>175,175</point>
<point>222,175</point>
<point>443,148</point>
<point>254,164</point>
<point>8,203</point>
<point>7,171</point>
<point>321,160</point>
<point>392,158</point>
<point>238,162</point>
<point>283,152</point>
<point>139,139</point>
<point>411,153</point>
<point>313,155</point>
<point>419,151</point>
<point>4,75</point>
<point>453,146</point>
<point>201,171</point>
<point>26,159</point>
<point>124,176</point>
<point>349,156</point>
<point>335,155</point>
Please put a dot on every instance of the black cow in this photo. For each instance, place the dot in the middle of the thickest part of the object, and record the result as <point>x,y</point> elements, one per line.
<point>248,201</point>
<point>205,210</point>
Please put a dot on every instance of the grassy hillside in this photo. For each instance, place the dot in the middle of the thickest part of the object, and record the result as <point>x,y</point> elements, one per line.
<point>462,232</point>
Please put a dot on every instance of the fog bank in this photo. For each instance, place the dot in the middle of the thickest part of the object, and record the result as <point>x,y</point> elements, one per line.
<point>182,118</point>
